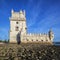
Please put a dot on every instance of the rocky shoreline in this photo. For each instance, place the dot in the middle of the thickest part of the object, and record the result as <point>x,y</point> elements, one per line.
<point>29,52</point>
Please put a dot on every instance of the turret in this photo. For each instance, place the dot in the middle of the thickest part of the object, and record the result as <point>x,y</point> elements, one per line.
<point>12,11</point>
<point>21,12</point>
<point>51,35</point>
<point>24,12</point>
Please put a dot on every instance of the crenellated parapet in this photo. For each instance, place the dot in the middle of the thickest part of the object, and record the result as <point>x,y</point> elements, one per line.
<point>18,15</point>
<point>34,34</point>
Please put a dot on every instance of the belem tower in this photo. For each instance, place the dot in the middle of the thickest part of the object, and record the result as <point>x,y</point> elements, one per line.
<point>18,30</point>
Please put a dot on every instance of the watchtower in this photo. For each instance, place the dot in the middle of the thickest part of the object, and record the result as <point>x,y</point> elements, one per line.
<point>17,26</point>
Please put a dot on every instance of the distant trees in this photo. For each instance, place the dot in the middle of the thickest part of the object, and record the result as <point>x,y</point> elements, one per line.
<point>0,40</point>
<point>4,41</point>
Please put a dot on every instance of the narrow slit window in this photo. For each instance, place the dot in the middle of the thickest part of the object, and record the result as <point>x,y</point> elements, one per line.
<point>17,28</point>
<point>42,40</point>
<point>16,22</point>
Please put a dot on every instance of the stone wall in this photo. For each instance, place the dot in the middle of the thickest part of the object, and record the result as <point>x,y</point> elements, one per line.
<point>35,38</point>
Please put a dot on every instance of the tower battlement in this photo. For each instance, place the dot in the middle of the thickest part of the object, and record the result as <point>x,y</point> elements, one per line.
<point>18,15</point>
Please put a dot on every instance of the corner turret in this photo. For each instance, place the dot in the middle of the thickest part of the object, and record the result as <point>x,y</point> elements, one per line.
<point>12,11</point>
<point>51,35</point>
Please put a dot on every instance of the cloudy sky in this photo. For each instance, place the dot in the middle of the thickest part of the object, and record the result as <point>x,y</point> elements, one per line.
<point>41,16</point>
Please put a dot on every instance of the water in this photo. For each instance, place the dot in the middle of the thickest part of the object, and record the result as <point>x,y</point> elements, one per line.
<point>56,43</point>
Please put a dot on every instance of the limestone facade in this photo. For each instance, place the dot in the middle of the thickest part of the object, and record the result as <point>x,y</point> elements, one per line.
<point>18,30</point>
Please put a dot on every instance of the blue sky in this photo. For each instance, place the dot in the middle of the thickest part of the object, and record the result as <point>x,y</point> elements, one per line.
<point>41,16</point>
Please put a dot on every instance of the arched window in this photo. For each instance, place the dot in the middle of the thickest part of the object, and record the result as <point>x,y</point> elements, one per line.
<point>46,40</point>
<point>16,22</point>
<point>42,40</point>
<point>17,28</point>
<point>32,39</point>
<point>25,27</point>
<point>36,40</point>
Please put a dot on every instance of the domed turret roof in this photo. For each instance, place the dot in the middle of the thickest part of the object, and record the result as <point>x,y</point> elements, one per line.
<point>21,12</point>
<point>22,15</point>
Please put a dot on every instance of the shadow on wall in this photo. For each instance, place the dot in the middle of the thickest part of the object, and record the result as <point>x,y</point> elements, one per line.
<point>18,38</point>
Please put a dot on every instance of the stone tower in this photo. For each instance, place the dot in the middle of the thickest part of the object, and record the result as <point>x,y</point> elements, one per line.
<point>17,26</point>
